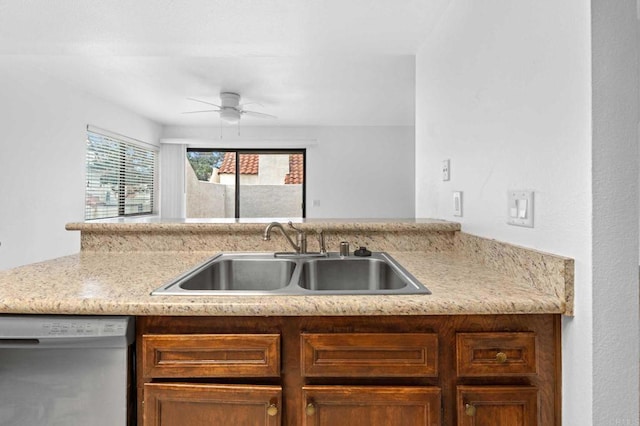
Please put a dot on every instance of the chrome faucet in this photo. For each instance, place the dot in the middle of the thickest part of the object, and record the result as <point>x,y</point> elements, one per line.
<point>321,244</point>
<point>301,237</point>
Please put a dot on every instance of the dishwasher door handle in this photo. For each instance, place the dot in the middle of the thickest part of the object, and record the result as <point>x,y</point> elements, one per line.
<point>19,342</point>
<point>82,342</point>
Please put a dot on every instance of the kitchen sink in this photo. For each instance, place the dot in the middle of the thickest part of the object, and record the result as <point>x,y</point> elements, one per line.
<point>356,274</point>
<point>241,275</point>
<point>276,273</point>
<point>237,273</point>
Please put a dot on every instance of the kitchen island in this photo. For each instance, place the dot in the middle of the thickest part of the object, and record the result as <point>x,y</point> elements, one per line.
<point>121,263</point>
<point>486,341</point>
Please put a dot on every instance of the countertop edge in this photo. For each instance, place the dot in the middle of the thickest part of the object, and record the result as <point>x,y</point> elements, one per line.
<point>371,225</point>
<point>391,308</point>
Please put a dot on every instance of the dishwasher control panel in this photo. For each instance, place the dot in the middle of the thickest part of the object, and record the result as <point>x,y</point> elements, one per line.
<point>79,327</point>
<point>55,330</point>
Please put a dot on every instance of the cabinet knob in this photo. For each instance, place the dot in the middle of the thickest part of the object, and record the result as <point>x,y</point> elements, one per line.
<point>310,409</point>
<point>469,410</point>
<point>272,410</point>
<point>501,357</point>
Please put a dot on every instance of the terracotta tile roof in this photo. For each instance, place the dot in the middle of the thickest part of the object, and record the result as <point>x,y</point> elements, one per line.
<point>296,170</point>
<point>249,164</point>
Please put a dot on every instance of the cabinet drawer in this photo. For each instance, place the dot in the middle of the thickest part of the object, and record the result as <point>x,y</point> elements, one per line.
<point>211,355</point>
<point>369,354</point>
<point>496,354</point>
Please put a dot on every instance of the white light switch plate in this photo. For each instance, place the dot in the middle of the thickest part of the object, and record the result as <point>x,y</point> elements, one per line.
<point>520,208</point>
<point>457,203</point>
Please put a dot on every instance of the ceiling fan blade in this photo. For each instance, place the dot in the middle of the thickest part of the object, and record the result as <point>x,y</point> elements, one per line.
<point>206,110</point>
<point>204,102</point>
<point>257,114</point>
<point>241,106</point>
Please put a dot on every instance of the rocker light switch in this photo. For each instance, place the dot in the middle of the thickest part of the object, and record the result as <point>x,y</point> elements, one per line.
<point>520,208</point>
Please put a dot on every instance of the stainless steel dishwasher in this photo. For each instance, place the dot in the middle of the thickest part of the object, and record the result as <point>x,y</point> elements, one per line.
<point>66,370</point>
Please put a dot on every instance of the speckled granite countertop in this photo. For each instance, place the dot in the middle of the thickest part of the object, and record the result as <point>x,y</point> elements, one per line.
<point>256,225</point>
<point>120,283</point>
<point>121,263</point>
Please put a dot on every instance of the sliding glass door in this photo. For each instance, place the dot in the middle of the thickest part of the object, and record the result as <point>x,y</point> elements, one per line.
<point>245,183</point>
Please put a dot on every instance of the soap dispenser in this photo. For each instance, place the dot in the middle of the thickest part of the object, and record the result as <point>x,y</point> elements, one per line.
<point>362,252</point>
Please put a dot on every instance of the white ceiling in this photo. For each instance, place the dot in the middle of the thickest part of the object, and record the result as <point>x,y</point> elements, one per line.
<point>310,62</point>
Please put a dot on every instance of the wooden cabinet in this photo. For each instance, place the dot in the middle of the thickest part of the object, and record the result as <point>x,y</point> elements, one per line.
<point>185,357</point>
<point>369,356</point>
<point>497,406</point>
<point>371,406</point>
<point>493,370</point>
<point>181,404</point>
<point>495,356</point>
<point>211,355</point>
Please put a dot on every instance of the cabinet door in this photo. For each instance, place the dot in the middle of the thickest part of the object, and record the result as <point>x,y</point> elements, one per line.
<point>497,406</point>
<point>182,404</point>
<point>371,406</point>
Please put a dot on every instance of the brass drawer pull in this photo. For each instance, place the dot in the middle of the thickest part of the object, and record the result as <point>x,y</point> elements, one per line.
<point>469,410</point>
<point>272,410</point>
<point>310,409</point>
<point>501,357</point>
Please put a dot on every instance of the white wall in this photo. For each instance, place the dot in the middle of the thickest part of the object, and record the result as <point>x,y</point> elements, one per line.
<point>354,172</point>
<point>503,91</point>
<point>42,161</point>
<point>616,317</point>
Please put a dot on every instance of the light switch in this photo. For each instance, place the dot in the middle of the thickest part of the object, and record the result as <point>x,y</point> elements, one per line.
<point>520,208</point>
<point>457,203</point>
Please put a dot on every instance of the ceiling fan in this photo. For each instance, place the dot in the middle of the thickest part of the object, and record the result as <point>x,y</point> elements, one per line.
<point>231,110</point>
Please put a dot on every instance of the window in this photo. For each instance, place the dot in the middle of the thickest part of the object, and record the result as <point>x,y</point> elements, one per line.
<point>121,176</point>
<point>245,183</point>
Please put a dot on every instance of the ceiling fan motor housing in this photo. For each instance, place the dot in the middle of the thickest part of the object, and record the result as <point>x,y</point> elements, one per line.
<point>229,111</point>
<point>229,99</point>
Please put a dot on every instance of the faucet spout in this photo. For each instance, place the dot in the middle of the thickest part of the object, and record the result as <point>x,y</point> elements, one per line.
<point>267,235</point>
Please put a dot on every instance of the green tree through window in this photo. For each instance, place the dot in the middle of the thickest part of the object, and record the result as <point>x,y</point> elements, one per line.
<point>204,162</point>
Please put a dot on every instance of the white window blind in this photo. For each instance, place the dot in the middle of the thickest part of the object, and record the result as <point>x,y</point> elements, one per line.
<point>121,177</point>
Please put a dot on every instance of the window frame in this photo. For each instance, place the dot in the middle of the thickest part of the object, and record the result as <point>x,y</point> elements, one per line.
<point>124,143</point>
<point>240,151</point>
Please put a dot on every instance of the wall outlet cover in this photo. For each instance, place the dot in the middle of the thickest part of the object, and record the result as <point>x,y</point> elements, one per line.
<point>446,170</point>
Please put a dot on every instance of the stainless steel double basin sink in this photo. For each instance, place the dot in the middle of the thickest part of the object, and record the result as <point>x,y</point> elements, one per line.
<point>273,274</point>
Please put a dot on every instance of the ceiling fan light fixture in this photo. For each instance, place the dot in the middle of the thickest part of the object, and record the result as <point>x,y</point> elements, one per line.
<point>230,116</point>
